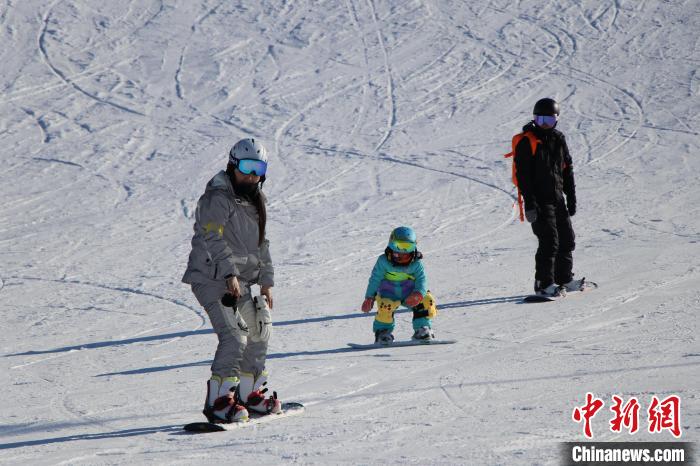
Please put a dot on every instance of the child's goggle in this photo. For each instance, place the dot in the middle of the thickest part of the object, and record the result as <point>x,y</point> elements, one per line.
<point>407,246</point>
<point>546,121</point>
<point>251,167</point>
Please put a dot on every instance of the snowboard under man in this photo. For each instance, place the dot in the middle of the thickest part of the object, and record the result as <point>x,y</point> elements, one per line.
<point>546,182</point>
<point>230,253</point>
<point>398,277</point>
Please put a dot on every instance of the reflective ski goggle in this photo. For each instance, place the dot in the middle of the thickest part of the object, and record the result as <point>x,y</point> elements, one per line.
<point>546,121</point>
<point>251,167</point>
<point>407,246</point>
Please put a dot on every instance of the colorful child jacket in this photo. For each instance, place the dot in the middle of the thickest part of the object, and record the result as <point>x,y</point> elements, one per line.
<point>395,281</point>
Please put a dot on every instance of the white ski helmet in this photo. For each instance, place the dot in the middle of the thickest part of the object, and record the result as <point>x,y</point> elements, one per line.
<point>247,148</point>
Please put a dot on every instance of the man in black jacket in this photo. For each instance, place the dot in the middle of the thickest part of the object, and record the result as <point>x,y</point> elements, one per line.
<point>544,178</point>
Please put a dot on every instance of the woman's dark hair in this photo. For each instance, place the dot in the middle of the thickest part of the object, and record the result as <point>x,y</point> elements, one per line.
<point>256,197</point>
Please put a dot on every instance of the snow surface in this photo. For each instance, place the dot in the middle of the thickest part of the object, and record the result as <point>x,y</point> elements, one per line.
<point>376,113</point>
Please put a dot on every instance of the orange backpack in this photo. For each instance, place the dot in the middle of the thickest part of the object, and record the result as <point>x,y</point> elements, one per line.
<point>533,146</point>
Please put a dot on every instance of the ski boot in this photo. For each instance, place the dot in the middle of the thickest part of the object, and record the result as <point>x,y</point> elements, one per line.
<point>383,337</point>
<point>550,291</point>
<point>575,285</point>
<point>423,334</point>
<point>253,391</point>
<point>222,405</point>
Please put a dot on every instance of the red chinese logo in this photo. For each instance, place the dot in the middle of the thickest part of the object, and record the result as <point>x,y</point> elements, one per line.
<point>662,414</point>
<point>625,416</point>
<point>585,413</point>
<point>665,414</point>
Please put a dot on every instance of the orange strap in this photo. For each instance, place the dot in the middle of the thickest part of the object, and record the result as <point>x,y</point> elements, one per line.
<point>533,147</point>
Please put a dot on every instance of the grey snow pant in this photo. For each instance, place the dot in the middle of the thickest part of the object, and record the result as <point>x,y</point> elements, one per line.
<point>235,353</point>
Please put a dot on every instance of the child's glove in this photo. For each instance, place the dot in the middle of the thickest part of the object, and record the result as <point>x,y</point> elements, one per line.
<point>367,304</point>
<point>414,299</point>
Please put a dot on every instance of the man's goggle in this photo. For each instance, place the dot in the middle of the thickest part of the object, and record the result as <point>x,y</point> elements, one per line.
<point>546,121</point>
<point>251,167</point>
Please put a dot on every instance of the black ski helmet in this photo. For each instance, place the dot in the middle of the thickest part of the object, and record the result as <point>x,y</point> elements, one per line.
<point>546,106</point>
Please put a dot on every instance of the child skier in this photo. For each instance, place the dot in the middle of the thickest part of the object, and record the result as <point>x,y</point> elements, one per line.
<point>545,174</point>
<point>398,277</point>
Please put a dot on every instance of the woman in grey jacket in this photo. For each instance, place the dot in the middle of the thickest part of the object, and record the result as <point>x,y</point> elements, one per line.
<point>229,254</point>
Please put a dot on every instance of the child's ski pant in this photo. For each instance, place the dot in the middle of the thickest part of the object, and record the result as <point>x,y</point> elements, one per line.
<point>423,313</point>
<point>235,352</point>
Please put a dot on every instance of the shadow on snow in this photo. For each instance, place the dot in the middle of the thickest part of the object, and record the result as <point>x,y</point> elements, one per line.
<point>311,320</point>
<point>148,370</point>
<point>100,436</point>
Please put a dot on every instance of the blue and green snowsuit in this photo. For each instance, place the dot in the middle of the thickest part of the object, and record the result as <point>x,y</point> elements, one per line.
<point>391,284</point>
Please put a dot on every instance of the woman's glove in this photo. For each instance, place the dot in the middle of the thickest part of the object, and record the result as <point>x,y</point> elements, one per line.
<point>367,305</point>
<point>263,319</point>
<point>231,301</point>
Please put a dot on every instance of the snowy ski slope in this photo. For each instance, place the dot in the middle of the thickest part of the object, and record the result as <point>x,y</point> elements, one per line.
<point>377,113</point>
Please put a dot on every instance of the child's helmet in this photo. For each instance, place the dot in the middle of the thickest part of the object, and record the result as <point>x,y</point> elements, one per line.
<point>402,239</point>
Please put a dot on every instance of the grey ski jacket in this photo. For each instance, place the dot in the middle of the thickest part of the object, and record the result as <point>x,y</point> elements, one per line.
<point>225,240</point>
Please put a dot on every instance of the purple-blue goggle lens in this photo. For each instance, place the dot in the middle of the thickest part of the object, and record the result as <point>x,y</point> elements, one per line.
<point>546,121</point>
<point>252,166</point>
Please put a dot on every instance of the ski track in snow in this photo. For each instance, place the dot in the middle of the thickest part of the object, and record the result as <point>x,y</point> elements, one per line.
<point>376,114</point>
<point>45,56</point>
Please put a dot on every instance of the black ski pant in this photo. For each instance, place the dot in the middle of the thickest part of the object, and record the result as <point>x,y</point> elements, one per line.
<point>554,259</point>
